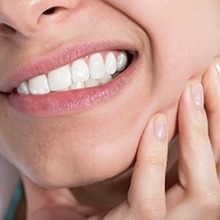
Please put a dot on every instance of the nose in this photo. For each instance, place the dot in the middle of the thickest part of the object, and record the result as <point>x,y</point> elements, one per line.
<point>28,16</point>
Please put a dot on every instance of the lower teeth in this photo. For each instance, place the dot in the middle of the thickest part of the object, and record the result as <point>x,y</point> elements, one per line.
<point>39,85</point>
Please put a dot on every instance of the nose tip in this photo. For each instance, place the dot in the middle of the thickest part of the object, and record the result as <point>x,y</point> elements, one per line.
<point>28,16</point>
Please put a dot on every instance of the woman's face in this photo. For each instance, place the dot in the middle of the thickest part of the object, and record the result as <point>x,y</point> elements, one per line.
<point>81,136</point>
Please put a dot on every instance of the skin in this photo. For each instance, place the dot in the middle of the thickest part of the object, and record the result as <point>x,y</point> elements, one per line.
<point>196,193</point>
<point>175,40</point>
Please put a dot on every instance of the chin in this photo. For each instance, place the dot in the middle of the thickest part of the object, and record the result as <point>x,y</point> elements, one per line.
<point>83,164</point>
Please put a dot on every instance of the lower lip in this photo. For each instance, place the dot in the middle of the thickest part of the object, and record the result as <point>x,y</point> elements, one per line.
<point>68,102</point>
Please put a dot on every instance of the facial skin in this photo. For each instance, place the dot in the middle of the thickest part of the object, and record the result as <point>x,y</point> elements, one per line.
<point>175,41</point>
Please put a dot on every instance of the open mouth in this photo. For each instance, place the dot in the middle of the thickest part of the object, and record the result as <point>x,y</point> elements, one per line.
<point>81,84</point>
<point>94,70</point>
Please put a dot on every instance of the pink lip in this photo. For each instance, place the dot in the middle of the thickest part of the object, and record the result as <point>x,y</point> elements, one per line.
<point>60,58</point>
<point>60,103</point>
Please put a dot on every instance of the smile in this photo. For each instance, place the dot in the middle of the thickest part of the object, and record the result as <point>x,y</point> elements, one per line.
<point>90,71</point>
<point>72,80</point>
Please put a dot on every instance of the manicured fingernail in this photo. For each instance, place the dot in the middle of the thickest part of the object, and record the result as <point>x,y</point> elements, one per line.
<point>160,127</point>
<point>197,95</point>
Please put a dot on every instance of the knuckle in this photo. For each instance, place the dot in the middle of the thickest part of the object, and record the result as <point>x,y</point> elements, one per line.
<point>156,162</point>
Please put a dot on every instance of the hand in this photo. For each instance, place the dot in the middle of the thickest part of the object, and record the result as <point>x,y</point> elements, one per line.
<point>198,191</point>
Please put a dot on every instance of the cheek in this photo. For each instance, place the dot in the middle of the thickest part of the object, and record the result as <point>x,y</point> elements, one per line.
<point>184,42</point>
<point>83,147</point>
<point>76,149</point>
<point>184,34</point>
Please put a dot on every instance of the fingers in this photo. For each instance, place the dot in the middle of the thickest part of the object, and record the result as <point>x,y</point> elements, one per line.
<point>146,196</point>
<point>211,83</point>
<point>147,192</point>
<point>196,161</point>
<point>198,192</point>
<point>199,185</point>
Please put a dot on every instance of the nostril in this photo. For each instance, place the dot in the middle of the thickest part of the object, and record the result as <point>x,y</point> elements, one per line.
<point>50,11</point>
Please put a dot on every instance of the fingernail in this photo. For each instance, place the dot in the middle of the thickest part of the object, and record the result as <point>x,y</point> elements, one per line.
<point>160,127</point>
<point>217,66</point>
<point>197,94</point>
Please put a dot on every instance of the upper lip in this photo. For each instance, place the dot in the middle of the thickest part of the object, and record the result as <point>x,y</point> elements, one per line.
<point>58,58</point>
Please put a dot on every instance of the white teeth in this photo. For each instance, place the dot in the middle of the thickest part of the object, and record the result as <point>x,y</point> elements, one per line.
<point>38,85</point>
<point>80,71</point>
<point>23,88</point>
<point>110,63</point>
<point>122,61</point>
<point>91,83</point>
<point>105,79</point>
<point>77,85</point>
<point>77,75</point>
<point>96,66</point>
<point>60,78</point>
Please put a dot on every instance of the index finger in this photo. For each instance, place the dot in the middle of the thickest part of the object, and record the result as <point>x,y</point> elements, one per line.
<point>147,191</point>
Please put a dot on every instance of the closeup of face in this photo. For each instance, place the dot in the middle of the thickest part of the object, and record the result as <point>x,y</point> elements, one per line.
<point>83,135</point>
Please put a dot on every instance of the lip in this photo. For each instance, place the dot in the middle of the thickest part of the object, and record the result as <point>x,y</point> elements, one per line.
<point>68,102</point>
<point>59,58</point>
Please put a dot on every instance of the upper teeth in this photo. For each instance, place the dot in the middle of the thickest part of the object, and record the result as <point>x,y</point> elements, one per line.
<point>77,75</point>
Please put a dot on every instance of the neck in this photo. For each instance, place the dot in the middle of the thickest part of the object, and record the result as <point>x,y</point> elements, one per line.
<point>104,195</point>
